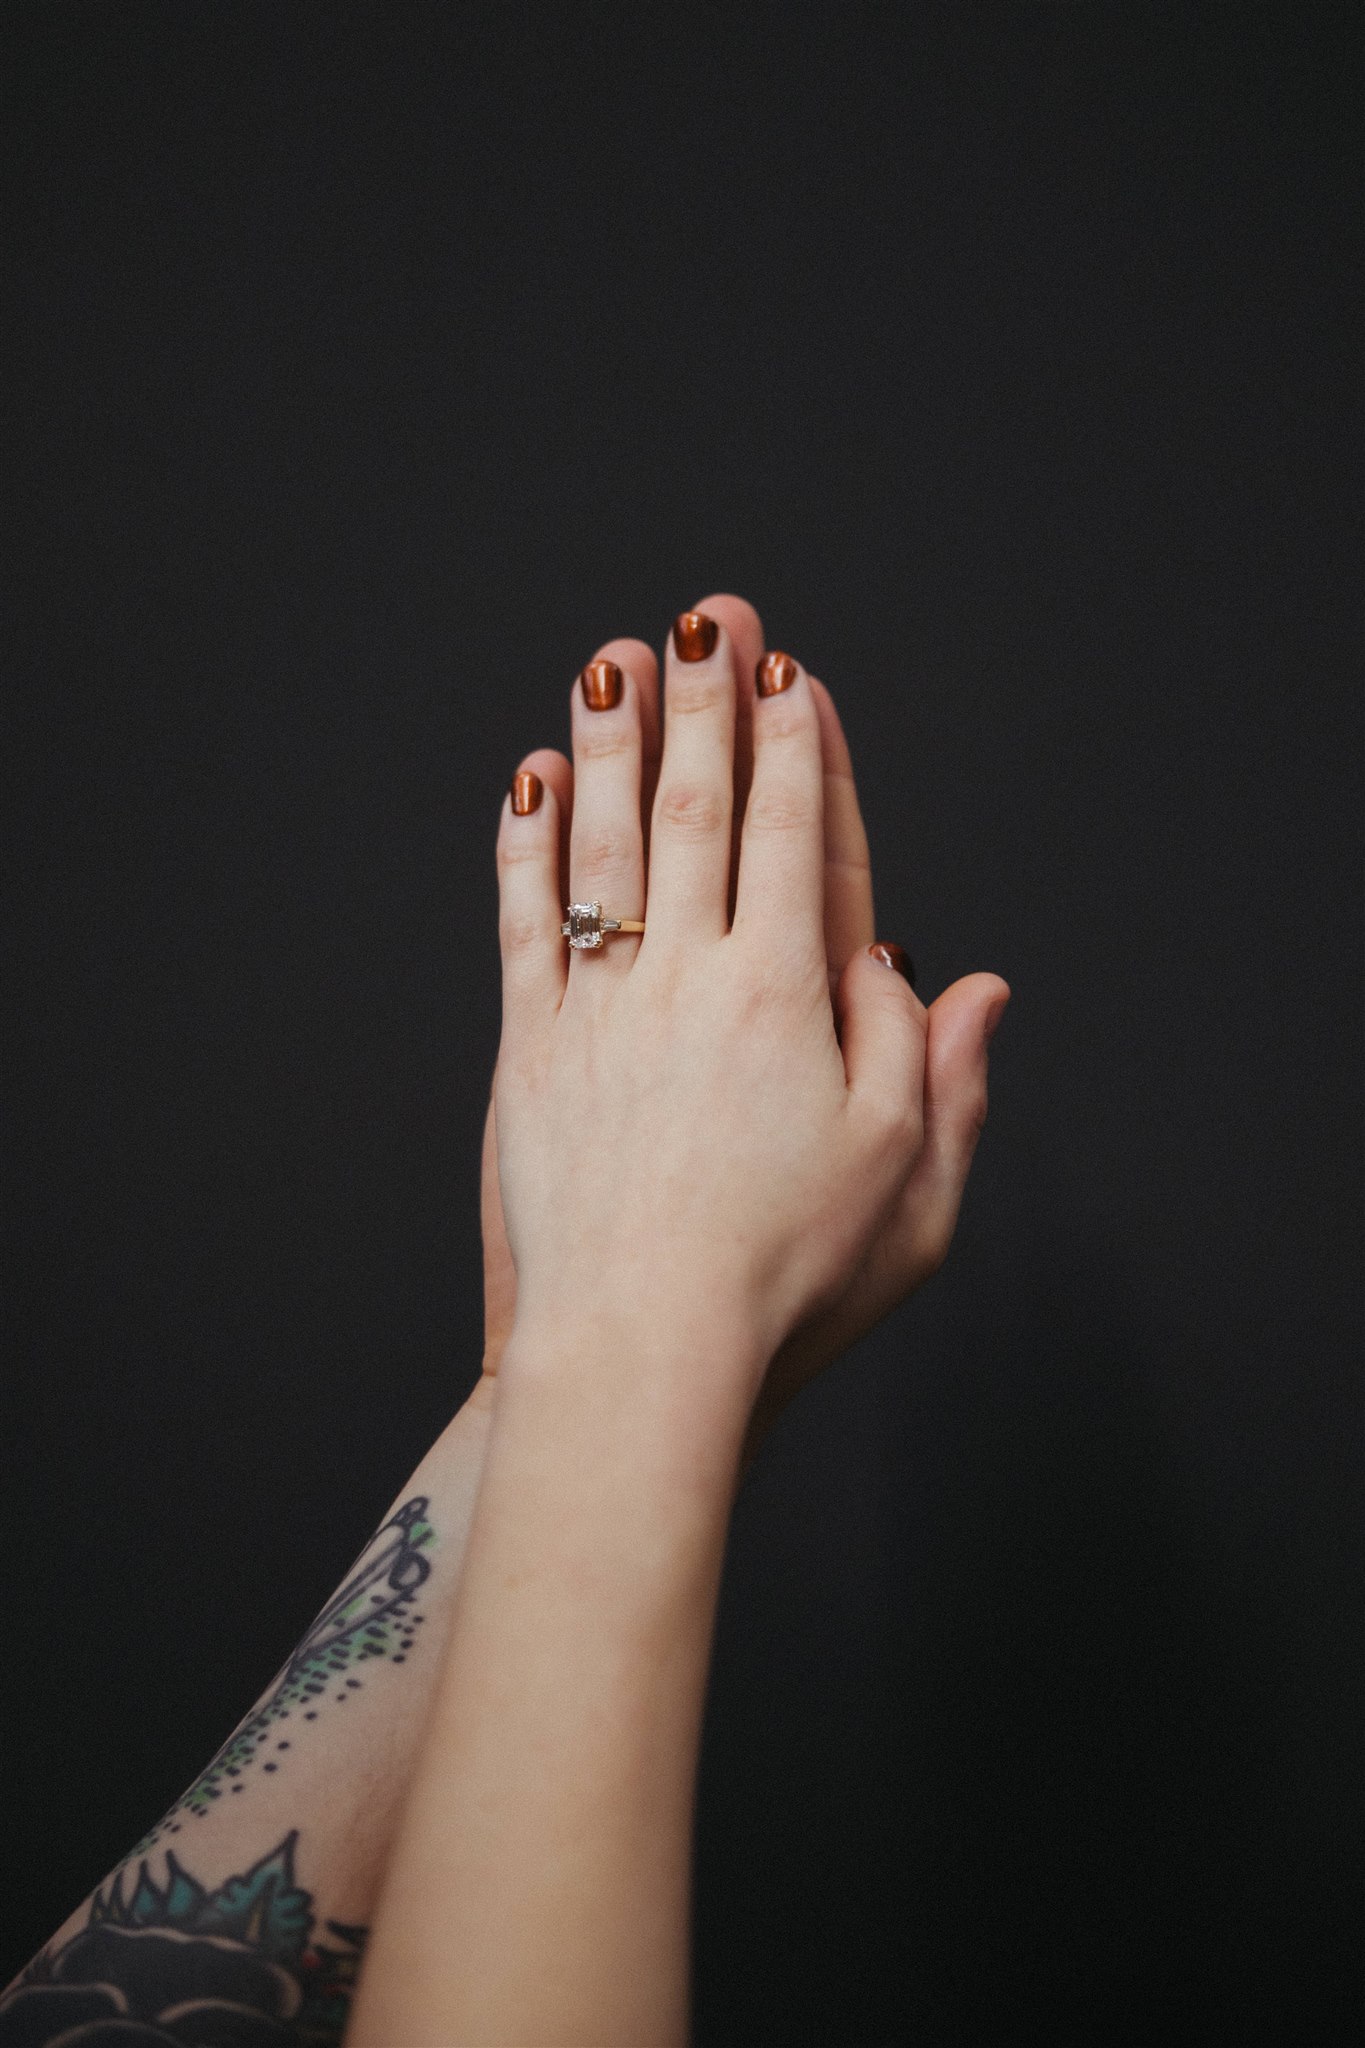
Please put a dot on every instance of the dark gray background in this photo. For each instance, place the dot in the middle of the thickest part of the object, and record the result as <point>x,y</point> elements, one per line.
<point>369,366</point>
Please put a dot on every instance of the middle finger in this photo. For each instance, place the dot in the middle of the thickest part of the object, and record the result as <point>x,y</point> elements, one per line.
<point>606,841</point>
<point>689,845</point>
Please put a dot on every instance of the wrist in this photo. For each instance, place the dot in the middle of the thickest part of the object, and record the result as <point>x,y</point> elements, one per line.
<point>671,1392</point>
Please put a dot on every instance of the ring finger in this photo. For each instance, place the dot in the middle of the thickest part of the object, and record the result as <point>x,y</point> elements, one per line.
<point>606,841</point>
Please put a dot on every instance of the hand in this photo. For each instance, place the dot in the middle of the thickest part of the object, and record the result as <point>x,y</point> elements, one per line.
<point>916,1231</point>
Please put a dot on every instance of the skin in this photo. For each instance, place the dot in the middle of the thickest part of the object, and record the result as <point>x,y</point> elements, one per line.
<point>915,1235</point>
<point>767,1330</point>
<point>714,1157</point>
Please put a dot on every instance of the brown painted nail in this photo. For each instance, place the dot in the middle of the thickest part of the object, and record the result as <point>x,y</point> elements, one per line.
<point>694,636</point>
<point>892,955</point>
<point>602,683</point>
<point>527,790</point>
<point>774,673</point>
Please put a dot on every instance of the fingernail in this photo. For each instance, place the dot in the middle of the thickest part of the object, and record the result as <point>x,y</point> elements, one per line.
<point>694,636</point>
<point>602,683</point>
<point>892,955</point>
<point>527,790</point>
<point>774,673</point>
<point>993,1016</point>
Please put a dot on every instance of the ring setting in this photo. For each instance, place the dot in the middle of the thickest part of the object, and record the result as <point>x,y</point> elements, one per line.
<point>585,927</point>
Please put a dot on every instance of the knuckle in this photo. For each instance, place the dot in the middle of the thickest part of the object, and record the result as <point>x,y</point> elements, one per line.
<point>521,934</point>
<point>518,850</point>
<point>690,811</point>
<point>604,743</point>
<point>782,979</point>
<point>603,849</point>
<point>688,695</point>
<point>785,721</point>
<point>781,810</point>
<point>761,993</point>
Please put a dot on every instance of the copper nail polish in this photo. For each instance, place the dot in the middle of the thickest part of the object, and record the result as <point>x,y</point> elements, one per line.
<point>527,790</point>
<point>774,673</point>
<point>694,636</point>
<point>892,955</point>
<point>602,683</point>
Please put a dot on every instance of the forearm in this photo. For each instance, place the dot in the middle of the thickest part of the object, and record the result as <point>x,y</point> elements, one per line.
<point>316,1771</point>
<point>539,1885</point>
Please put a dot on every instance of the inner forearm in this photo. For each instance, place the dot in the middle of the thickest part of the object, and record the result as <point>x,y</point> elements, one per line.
<point>308,1786</point>
<point>540,1881</point>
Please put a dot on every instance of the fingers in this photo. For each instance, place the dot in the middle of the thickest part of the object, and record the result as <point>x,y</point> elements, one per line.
<point>960,1023</point>
<point>779,903</point>
<point>556,772</point>
<point>848,869</point>
<point>689,845</point>
<point>745,629</point>
<point>616,725</point>
<point>606,843</point>
<point>848,876</point>
<point>883,1032</point>
<point>641,662</point>
<point>529,900</point>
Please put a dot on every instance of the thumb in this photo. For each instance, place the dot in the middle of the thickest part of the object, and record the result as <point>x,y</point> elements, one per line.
<point>961,1023</point>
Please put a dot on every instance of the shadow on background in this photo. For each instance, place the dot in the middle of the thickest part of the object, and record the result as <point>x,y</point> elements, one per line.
<point>982,1769</point>
<point>371,366</point>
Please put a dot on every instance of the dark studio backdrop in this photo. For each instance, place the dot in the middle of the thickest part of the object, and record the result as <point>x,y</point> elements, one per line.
<point>369,365</point>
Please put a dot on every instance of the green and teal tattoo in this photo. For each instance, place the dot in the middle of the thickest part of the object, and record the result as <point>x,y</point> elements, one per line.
<point>177,1965</point>
<point>372,1616</point>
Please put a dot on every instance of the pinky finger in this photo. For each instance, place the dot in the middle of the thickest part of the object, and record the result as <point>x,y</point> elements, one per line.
<point>955,1076</point>
<point>529,905</point>
<point>848,868</point>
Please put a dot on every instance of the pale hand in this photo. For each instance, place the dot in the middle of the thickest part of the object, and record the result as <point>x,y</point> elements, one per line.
<point>912,1237</point>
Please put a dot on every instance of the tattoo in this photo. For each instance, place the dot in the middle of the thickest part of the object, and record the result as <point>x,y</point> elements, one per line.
<point>179,1966</point>
<point>370,1617</point>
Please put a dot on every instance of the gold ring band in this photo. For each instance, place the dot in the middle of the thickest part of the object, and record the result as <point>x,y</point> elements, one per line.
<point>585,927</point>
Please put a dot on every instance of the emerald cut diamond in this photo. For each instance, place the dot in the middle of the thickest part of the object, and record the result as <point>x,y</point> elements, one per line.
<point>585,926</point>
